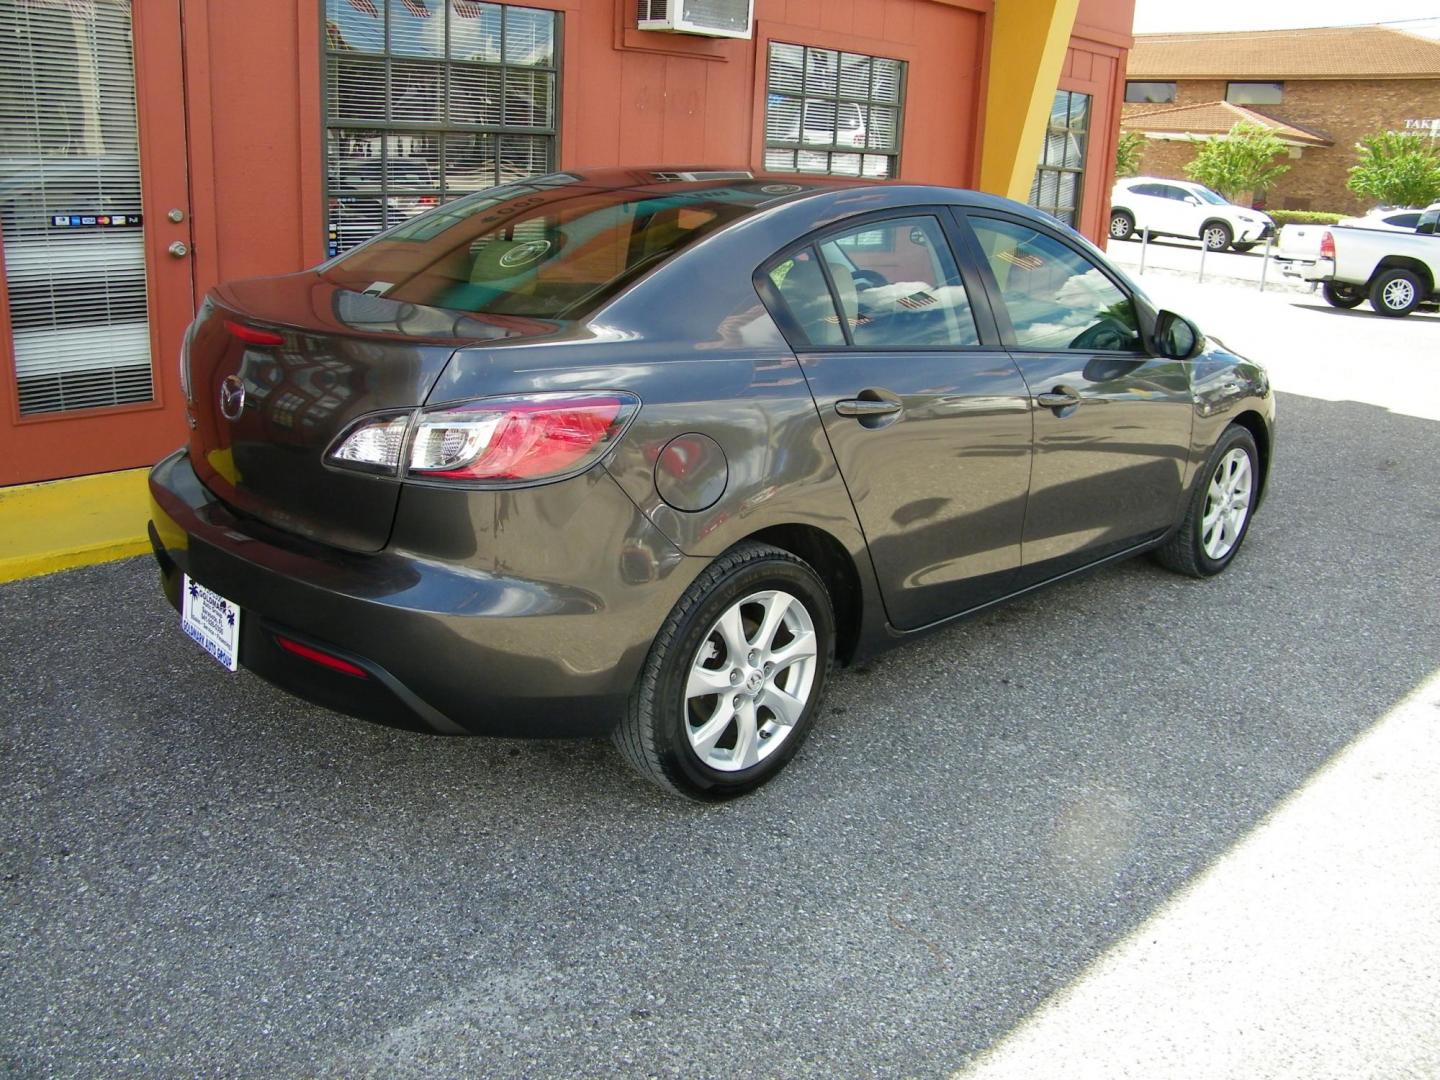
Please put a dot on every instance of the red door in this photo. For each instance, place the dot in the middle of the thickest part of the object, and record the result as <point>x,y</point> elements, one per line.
<point>96,288</point>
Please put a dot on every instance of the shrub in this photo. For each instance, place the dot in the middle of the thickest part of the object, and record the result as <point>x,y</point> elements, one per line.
<point>1240,163</point>
<point>1304,217</point>
<point>1396,168</point>
<point>1128,149</point>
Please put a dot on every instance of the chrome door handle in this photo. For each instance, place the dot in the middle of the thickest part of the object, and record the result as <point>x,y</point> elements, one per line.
<point>866,407</point>
<point>178,249</point>
<point>1059,398</point>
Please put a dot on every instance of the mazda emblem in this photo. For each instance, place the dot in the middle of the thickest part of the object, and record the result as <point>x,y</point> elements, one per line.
<point>232,397</point>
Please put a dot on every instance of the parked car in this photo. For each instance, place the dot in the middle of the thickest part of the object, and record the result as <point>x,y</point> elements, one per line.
<point>1395,271</point>
<point>1392,218</point>
<point>1180,208</point>
<point>647,457</point>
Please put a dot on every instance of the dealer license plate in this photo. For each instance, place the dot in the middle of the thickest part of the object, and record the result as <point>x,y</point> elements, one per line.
<point>211,620</point>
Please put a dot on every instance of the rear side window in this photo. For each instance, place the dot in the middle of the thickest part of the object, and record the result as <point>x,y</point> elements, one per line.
<point>1404,221</point>
<point>802,286</point>
<point>1056,298</point>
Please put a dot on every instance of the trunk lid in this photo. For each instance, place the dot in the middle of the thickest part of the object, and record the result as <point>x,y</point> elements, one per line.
<point>341,355</point>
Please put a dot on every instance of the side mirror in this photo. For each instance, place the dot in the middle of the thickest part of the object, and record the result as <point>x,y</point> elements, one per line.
<point>1177,337</point>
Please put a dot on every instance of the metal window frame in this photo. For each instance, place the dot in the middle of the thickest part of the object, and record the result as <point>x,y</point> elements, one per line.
<point>1078,171</point>
<point>442,126</point>
<point>1279,85</point>
<point>837,98</point>
<point>1149,82</point>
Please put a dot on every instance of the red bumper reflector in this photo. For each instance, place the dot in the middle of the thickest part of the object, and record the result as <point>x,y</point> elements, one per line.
<point>251,336</point>
<point>324,659</point>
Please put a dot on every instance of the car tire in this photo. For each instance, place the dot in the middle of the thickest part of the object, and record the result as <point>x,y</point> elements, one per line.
<point>1249,245</point>
<point>1122,225</point>
<point>1342,296</point>
<point>1231,474</point>
<point>1395,293</point>
<point>707,719</point>
<point>1216,235</point>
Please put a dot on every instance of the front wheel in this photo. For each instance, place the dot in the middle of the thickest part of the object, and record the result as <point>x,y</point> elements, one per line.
<point>1342,296</point>
<point>1122,225</point>
<point>1218,514</point>
<point>1216,236</point>
<point>1395,293</point>
<point>734,678</point>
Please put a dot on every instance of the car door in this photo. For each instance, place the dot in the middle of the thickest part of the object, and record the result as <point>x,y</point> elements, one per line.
<point>926,413</point>
<point>1148,207</point>
<point>1185,210</point>
<point>1112,423</point>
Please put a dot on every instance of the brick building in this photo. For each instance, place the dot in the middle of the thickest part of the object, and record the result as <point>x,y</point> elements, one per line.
<point>152,148</point>
<point>1319,90</point>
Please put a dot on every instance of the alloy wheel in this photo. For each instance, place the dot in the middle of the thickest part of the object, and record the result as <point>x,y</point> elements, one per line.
<point>1227,504</point>
<point>750,680</point>
<point>1398,294</point>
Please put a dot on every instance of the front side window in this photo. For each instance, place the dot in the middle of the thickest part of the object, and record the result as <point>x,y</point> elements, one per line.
<point>1149,93</point>
<point>1254,93</point>
<point>1056,297</point>
<point>1056,189</point>
<point>832,112</point>
<point>426,100</point>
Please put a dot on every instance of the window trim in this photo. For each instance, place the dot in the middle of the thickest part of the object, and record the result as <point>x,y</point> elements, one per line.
<point>558,11</point>
<point>768,42</point>
<point>1278,83</point>
<point>976,289</point>
<point>1144,314</point>
<point>1079,173</point>
<point>1150,82</point>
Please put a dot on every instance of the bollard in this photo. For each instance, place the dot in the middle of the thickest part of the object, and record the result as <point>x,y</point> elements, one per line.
<point>1265,266</point>
<point>1203,249</point>
<point>1144,247</point>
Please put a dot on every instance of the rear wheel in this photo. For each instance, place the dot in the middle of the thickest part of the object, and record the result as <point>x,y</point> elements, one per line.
<point>1216,236</point>
<point>1395,293</point>
<point>1342,296</point>
<point>1218,514</point>
<point>735,677</point>
<point>1122,225</point>
<point>1249,245</point>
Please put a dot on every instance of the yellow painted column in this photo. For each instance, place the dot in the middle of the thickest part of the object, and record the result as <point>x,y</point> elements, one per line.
<point>1028,39</point>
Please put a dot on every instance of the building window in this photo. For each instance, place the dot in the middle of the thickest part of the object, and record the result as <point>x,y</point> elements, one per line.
<point>1254,93</point>
<point>1149,93</point>
<point>832,112</point>
<point>1056,189</point>
<point>427,100</point>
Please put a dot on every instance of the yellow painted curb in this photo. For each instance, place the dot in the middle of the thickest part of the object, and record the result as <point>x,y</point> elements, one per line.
<point>62,524</point>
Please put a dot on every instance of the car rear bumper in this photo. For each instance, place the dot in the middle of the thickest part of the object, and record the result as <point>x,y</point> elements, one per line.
<point>1307,269</point>
<point>444,646</point>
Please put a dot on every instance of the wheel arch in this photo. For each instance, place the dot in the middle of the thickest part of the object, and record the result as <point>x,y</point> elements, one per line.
<point>1405,262</point>
<point>1230,225</point>
<point>830,559</point>
<point>1254,423</point>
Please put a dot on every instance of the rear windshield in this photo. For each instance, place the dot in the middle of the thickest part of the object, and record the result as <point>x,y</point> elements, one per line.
<point>543,251</point>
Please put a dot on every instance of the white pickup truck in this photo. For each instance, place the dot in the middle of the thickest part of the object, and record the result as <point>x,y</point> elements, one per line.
<point>1395,271</point>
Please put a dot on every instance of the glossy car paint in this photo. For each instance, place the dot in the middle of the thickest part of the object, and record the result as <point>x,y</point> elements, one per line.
<point>529,611</point>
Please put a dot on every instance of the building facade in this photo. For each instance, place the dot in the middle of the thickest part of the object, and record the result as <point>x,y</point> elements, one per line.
<point>1320,91</point>
<point>152,148</point>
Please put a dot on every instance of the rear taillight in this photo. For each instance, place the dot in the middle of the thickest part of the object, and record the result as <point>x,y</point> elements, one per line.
<point>253,335</point>
<point>534,437</point>
<point>1327,245</point>
<point>490,440</point>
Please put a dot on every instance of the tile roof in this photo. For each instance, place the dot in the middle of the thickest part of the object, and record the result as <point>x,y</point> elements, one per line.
<point>1216,118</point>
<point>1326,52</point>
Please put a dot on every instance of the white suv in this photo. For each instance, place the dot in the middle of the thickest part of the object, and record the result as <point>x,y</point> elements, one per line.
<point>1180,208</point>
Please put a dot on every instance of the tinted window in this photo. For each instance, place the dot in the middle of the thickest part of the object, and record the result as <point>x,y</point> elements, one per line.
<point>1150,92</point>
<point>802,286</point>
<point>543,252</point>
<point>898,286</point>
<point>1254,93</point>
<point>1172,192</point>
<point>1404,221</point>
<point>1149,189</point>
<point>1055,296</point>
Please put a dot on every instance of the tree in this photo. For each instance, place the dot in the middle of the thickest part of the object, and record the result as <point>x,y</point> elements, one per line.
<point>1396,168</point>
<point>1128,149</point>
<point>1240,162</point>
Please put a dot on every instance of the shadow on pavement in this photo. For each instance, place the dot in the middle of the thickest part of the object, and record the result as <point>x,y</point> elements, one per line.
<point>200,874</point>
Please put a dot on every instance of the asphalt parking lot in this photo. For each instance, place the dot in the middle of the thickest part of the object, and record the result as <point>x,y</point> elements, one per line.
<point>199,875</point>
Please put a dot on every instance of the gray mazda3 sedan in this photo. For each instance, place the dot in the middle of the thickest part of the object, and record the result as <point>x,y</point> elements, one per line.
<point>645,453</point>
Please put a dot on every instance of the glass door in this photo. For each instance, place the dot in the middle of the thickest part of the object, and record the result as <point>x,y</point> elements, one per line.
<point>97,287</point>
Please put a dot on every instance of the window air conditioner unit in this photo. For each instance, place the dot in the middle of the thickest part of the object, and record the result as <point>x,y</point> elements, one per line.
<point>709,18</point>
